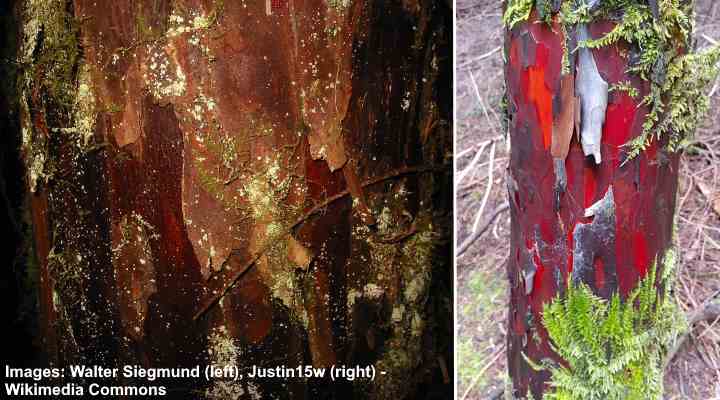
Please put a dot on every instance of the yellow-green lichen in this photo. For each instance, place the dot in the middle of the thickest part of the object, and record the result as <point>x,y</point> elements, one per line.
<point>404,349</point>
<point>679,103</point>
<point>189,21</point>
<point>50,48</point>
<point>50,51</point>
<point>625,86</point>
<point>164,77</point>
<point>265,193</point>
<point>266,190</point>
<point>84,112</point>
<point>222,351</point>
<point>339,4</point>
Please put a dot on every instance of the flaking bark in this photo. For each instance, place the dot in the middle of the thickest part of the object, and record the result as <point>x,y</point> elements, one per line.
<point>171,147</point>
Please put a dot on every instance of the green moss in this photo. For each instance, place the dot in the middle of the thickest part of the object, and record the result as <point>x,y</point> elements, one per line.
<point>470,361</point>
<point>66,268</point>
<point>51,49</point>
<point>626,87</point>
<point>680,102</point>
<point>484,288</point>
<point>614,349</point>
<point>517,11</point>
<point>339,4</point>
<point>49,54</point>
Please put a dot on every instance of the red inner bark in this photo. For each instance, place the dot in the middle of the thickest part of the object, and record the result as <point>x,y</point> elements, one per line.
<point>611,258</point>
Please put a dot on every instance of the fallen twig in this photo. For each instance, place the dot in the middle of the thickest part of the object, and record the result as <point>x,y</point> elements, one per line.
<point>463,247</point>
<point>480,58</point>
<point>465,172</point>
<point>488,188</point>
<point>708,311</point>
<point>496,394</point>
<point>475,380</point>
<point>712,198</point>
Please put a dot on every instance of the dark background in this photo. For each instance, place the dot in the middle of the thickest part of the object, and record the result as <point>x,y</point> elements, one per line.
<point>17,287</point>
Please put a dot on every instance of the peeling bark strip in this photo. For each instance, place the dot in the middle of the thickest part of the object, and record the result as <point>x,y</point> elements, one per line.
<point>593,92</point>
<point>574,218</point>
<point>247,162</point>
<point>593,254</point>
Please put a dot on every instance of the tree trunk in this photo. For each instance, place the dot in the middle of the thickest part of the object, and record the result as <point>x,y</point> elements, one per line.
<point>256,183</point>
<point>586,209</point>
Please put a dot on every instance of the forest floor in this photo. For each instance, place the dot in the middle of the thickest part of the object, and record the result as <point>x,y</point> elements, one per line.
<point>482,287</point>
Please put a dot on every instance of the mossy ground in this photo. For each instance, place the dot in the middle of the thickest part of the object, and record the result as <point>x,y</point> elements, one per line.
<point>483,294</point>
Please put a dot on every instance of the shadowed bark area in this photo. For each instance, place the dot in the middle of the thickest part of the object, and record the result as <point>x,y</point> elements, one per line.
<point>613,219</point>
<point>19,274</point>
<point>252,183</point>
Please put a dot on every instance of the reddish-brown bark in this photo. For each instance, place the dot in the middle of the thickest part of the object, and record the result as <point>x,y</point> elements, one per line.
<point>550,244</point>
<point>216,125</point>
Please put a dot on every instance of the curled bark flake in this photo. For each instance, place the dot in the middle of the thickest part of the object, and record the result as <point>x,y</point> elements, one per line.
<point>298,254</point>
<point>560,180</point>
<point>529,277</point>
<point>595,247</point>
<point>594,4</point>
<point>603,208</point>
<point>563,127</point>
<point>527,56</point>
<point>593,92</point>
<point>564,121</point>
<point>358,195</point>
<point>328,146</point>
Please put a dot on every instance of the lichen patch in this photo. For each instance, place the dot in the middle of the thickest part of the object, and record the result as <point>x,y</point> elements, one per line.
<point>163,75</point>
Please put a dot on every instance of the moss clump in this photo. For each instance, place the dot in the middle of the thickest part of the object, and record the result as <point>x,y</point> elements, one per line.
<point>517,11</point>
<point>84,112</point>
<point>51,49</point>
<point>614,349</point>
<point>680,103</point>
<point>626,87</point>
<point>49,55</point>
<point>339,4</point>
